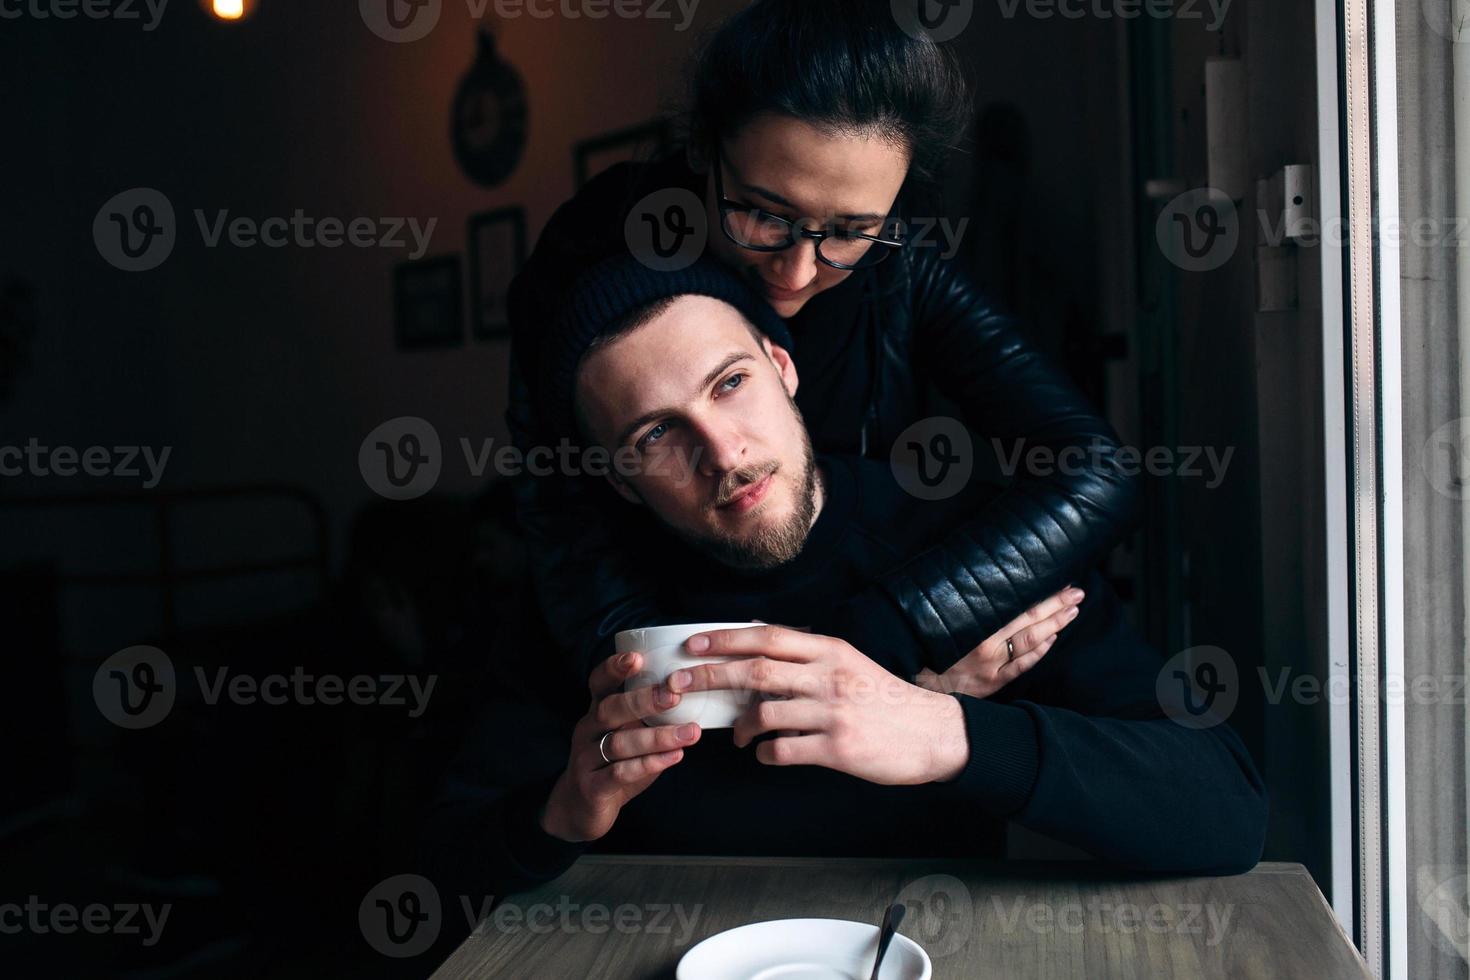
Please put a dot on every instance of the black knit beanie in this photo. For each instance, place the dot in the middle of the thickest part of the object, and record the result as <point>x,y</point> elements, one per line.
<point>604,296</point>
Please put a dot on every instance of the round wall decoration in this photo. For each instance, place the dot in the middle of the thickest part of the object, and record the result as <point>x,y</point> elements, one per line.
<point>489,124</point>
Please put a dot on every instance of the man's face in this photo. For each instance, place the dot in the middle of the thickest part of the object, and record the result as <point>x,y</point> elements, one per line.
<point>723,455</point>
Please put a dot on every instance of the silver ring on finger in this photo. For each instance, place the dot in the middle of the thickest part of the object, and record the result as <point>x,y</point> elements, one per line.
<point>1010,649</point>
<point>602,748</point>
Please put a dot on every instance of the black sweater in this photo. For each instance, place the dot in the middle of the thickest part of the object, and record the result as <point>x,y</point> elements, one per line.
<point>1078,749</point>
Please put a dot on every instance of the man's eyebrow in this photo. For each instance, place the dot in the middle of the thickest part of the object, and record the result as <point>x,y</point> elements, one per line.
<point>778,199</point>
<point>730,361</point>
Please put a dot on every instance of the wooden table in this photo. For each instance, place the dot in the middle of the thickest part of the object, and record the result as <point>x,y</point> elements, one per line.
<point>634,916</point>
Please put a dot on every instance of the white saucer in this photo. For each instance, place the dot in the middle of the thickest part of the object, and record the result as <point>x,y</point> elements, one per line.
<point>802,949</point>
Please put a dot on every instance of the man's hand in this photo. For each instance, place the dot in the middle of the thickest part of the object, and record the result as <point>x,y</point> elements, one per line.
<point>591,793</point>
<point>838,709</point>
<point>992,665</point>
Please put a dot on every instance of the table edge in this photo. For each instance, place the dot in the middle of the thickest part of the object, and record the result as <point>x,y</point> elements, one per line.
<point>1096,867</point>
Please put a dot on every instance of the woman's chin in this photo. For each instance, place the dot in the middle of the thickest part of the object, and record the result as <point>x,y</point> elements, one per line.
<point>787,308</point>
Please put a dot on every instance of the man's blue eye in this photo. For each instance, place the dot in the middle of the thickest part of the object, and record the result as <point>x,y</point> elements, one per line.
<point>654,433</point>
<point>732,382</point>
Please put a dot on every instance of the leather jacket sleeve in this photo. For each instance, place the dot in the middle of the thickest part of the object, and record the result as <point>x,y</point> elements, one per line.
<point>1051,523</point>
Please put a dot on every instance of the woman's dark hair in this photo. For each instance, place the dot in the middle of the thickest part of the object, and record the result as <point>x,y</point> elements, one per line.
<point>846,65</point>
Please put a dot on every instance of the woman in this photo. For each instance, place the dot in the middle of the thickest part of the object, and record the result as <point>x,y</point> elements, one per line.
<point>814,128</point>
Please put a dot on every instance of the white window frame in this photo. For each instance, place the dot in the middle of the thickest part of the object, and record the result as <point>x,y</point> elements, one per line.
<point>1363,371</point>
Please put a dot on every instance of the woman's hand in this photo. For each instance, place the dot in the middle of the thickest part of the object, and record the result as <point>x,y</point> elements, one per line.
<point>830,706</point>
<point>992,665</point>
<point>590,793</point>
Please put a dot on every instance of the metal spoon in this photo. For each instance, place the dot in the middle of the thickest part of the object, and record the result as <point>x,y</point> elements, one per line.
<point>892,918</point>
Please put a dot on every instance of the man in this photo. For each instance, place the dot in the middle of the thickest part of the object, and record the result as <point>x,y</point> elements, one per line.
<point>842,753</point>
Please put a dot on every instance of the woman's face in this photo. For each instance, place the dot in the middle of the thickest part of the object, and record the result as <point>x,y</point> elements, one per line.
<point>795,170</point>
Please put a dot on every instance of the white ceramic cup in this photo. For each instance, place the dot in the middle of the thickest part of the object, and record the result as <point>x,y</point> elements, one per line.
<point>663,653</point>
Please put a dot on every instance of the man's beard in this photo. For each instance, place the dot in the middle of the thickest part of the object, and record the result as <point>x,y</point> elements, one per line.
<point>769,547</point>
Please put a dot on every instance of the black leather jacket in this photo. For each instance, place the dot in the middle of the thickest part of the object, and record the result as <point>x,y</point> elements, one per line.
<point>937,347</point>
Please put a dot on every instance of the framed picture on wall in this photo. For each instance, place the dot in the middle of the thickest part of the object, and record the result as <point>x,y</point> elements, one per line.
<point>497,252</point>
<point>591,157</point>
<point>427,308</point>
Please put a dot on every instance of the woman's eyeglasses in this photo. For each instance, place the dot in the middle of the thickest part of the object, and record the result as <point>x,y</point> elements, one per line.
<point>761,231</point>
